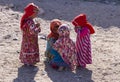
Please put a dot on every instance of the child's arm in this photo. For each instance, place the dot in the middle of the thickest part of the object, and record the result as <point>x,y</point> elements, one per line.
<point>33,28</point>
<point>50,41</point>
<point>56,45</point>
<point>84,31</point>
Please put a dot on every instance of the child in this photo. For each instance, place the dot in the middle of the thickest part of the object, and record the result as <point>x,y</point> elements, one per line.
<point>83,45</point>
<point>29,54</point>
<point>52,55</point>
<point>66,47</point>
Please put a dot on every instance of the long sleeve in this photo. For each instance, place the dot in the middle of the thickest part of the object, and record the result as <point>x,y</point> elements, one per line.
<point>31,28</point>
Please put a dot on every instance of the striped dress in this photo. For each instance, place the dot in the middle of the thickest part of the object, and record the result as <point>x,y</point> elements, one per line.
<point>83,47</point>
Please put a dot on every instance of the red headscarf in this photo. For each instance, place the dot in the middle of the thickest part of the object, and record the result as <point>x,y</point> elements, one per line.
<point>80,20</point>
<point>54,23</point>
<point>28,11</point>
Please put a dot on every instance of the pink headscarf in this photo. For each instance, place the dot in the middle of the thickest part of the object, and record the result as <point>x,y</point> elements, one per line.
<point>81,20</point>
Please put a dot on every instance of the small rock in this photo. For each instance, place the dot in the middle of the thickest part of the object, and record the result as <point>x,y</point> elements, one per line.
<point>7,37</point>
<point>105,74</point>
<point>44,72</point>
<point>42,37</point>
<point>18,51</point>
<point>15,38</point>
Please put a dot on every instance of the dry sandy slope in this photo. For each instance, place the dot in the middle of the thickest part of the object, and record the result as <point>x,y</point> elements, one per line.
<point>105,42</point>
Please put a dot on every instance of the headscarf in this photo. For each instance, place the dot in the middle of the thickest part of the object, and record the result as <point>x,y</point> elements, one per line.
<point>81,20</point>
<point>55,23</point>
<point>28,11</point>
<point>64,31</point>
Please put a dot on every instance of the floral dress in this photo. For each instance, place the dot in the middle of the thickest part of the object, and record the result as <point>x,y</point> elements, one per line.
<point>66,47</point>
<point>53,55</point>
<point>29,53</point>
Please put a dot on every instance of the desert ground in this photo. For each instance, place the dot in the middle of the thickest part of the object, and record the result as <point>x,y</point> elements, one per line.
<point>104,15</point>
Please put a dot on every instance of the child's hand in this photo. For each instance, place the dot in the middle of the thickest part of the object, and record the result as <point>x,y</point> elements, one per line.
<point>38,29</point>
<point>37,25</point>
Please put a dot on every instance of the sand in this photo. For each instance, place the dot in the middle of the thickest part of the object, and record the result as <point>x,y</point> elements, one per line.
<point>104,16</point>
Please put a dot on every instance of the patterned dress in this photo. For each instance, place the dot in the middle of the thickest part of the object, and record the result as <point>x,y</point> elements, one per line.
<point>83,47</point>
<point>66,47</point>
<point>29,49</point>
<point>53,55</point>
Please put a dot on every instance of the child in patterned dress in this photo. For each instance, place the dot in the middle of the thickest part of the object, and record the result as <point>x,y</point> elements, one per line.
<point>52,55</point>
<point>66,47</point>
<point>29,54</point>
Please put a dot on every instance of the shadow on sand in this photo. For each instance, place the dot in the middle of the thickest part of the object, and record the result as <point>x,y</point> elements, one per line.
<point>81,75</point>
<point>26,74</point>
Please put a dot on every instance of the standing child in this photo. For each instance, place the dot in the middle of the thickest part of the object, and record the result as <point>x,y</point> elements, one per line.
<point>52,55</point>
<point>29,54</point>
<point>83,44</point>
<point>66,47</point>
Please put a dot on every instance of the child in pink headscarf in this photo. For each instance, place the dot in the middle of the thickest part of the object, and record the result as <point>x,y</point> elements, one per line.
<point>83,44</point>
<point>29,54</point>
<point>66,47</point>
